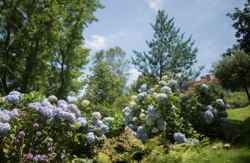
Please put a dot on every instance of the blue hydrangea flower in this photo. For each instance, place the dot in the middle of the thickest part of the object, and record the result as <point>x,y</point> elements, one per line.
<point>141,133</point>
<point>143,88</point>
<point>208,116</point>
<point>82,121</point>
<point>74,109</point>
<point>152,112</point>
<point>4,117</point>
<point>180,138</point>
<point>13,97</point>
<point>40,157</point>
<point>90,137</point>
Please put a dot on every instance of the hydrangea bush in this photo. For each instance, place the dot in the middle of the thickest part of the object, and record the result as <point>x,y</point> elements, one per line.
<point>48,129</point>
<point>205,109</point>
<point>155,111</point>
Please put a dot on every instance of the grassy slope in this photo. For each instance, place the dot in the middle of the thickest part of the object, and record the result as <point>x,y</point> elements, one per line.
<point>239,114</point>
<point>215,152</point>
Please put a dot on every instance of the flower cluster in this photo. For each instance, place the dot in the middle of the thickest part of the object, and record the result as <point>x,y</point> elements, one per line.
<point>214,111</point>
<point>13,97</point>
<point>52,108</point>
<point>98,127</point>
<point>5,117</point>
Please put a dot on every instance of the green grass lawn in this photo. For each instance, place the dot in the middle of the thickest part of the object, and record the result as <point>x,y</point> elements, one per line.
<point>239,114</point>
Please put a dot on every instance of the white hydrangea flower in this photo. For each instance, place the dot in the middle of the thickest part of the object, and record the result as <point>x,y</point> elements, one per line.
<point>180,138</point>
<point>142,116</point>
<point>167,90</point>
<point>72,99</point>
<point>96,116</point>
<point>208,116</point>
<point>173,84</point>
<point>163,83</point>
<point>155,130</point>
<point>4,128</point>
<point>108,120</point>
<point>220,102</point>
<point>52,99</point>
<point>85,103</point>
<point>161,96</point>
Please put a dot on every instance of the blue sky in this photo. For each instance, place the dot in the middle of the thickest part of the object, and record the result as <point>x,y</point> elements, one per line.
<point>126,23</point>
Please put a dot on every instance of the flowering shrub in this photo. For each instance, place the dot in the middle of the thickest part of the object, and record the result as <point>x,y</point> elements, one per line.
<point>155,111</point>
<point>48,129</point>
<point>205,109</point>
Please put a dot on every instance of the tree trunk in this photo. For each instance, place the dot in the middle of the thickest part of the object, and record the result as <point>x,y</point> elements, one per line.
<point>247,92</point>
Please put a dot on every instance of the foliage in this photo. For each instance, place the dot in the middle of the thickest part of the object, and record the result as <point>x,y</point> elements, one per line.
<point>107,81</point>
<point>241,22</point>
<point>236,99</point>
<point>233,71</point>
<point>41,44</point>
<point>169,50</point>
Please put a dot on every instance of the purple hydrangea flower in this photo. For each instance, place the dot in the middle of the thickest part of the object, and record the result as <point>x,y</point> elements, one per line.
<point>73,109</point>
<point>83,121</point>
<point>13,97</point>
<point>28,157</point>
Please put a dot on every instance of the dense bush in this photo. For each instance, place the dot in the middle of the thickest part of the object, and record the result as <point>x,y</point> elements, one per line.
<point>156,110</point>
<point>205,109</point>
<point>33,128</point>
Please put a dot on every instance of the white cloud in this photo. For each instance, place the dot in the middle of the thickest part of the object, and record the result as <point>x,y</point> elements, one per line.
<point>155,4</point>
<point>97,42</point>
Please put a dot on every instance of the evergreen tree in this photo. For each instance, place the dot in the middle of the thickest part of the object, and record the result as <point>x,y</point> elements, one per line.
<point>168,51</point>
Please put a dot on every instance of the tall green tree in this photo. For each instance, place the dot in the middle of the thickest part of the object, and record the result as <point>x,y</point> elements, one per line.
<point>233,71</point>
<point>169,51</point>
<point>41,44</point>
<point>108,79</point>
<point>241,22</point>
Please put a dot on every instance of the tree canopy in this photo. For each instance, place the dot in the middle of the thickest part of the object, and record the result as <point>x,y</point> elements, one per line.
<point>169,50</point>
